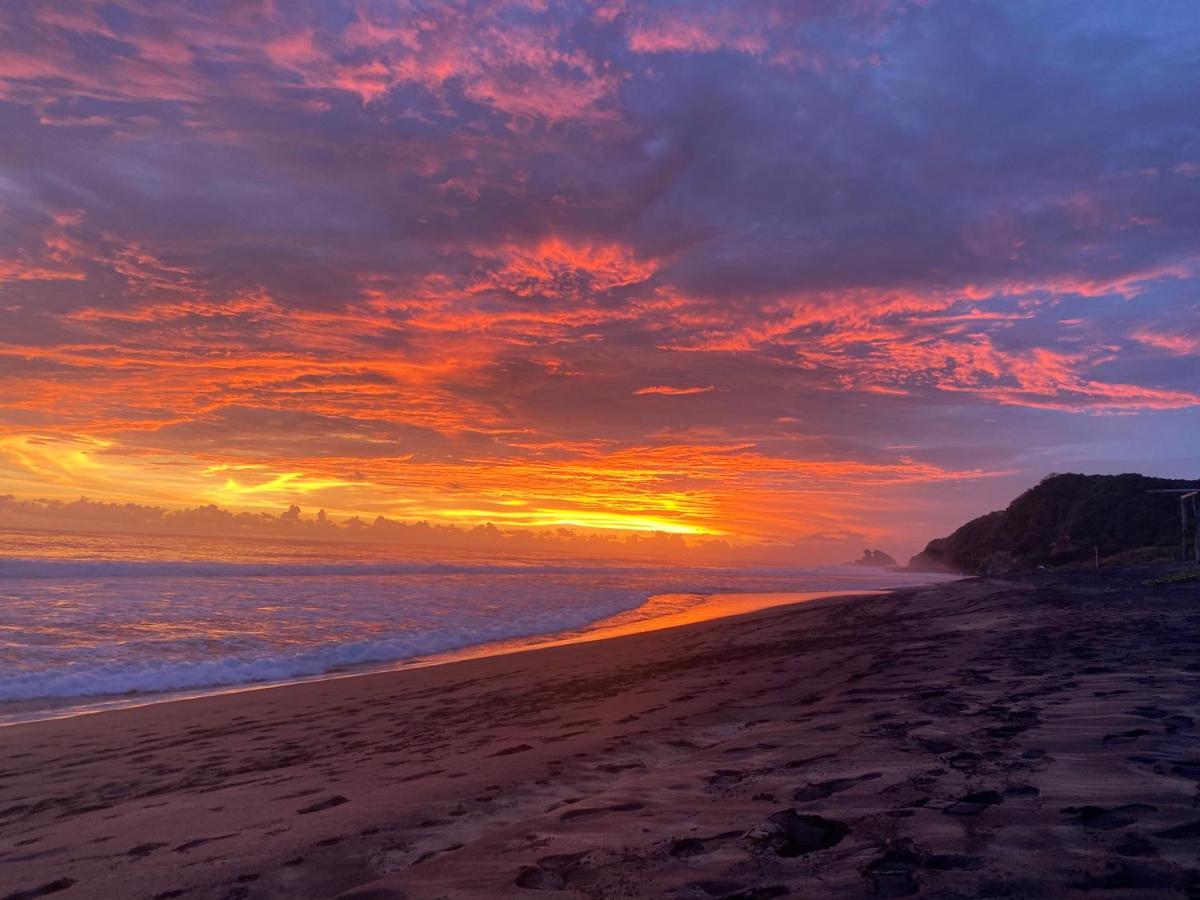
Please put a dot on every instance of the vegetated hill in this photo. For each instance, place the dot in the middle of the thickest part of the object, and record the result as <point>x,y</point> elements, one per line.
<point>1061,521</point>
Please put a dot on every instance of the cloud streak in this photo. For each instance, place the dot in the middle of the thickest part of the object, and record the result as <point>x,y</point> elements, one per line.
<point>667,391</point>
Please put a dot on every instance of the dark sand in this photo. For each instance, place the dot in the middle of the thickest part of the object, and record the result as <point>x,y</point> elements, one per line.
<point>1031,737</point>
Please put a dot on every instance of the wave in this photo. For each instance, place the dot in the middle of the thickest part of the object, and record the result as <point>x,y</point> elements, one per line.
<point>41,567</point>
<point>102,675</point>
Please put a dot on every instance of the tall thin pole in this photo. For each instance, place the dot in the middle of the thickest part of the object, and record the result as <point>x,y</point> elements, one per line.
<point>1189,520</point>
<point>1196,527</point>
<point>1183,519</point>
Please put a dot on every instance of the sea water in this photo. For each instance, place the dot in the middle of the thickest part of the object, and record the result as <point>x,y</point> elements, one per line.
<point>89,621</point>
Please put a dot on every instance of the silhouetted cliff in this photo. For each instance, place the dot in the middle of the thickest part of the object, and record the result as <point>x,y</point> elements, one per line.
<point>1061,521</point>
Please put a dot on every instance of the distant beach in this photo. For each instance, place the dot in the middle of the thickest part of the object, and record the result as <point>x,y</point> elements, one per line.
<point>1030,737</point>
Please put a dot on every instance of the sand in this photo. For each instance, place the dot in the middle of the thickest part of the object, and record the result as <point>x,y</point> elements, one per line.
<point>1024,737</point>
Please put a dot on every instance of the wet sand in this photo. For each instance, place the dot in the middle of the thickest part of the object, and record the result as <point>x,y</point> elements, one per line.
<point>1028,737</point>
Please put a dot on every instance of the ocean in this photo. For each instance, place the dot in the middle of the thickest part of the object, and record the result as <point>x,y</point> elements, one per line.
<point>89,622</point>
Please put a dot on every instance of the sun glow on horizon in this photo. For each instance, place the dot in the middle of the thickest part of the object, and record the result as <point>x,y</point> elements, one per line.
<point>74,467</point>
<point>579,518</point>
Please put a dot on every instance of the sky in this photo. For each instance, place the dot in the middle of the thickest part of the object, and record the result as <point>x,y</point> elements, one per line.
<point>816,273</point>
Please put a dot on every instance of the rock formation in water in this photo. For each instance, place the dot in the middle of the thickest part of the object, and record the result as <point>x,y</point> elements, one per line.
<point>875,559</point>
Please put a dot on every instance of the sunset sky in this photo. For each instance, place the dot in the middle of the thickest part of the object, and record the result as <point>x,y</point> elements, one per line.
<point>829,273</point>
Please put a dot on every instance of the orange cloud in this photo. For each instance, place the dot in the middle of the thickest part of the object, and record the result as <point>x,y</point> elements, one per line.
<point>673,391</point>
<point>558,267</point>
<point>22,270</point>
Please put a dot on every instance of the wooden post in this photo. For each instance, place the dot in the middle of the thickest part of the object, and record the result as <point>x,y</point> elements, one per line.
<point>1196,527</point>
<point>1183,519</point>
<point>1189,520</point>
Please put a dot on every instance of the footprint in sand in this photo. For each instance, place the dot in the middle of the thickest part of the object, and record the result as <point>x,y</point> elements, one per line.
<point>724,777</point>
<point>1188,832</point>
<point>808,761</point>
<point>1128,877</point>
<point>1125,737</point>
<point>52,887</point>
<point>617,768</point>
<point>510,751</point>
<point>535,878</point>
<point>964,759</point>
<point>1135,845</point>
<point>144,850</point>
<point>935,746</point>
<point>322,805</point>
<point>1187,769</point>
<point>1101,819</point>
<point>552,873</point>
<point>728,890</point>
<point>425,857</point>
<point>200,842</point>
<point>590,811</point>
<point>973,804</point>
<point>688,847</point>
<point>1149,712</point>
<point>822,789</point>
<point>1021,790</point>
<point>788,833</point>
<point>893,874</point>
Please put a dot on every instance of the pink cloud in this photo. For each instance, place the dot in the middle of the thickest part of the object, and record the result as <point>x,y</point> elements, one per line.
<point>1039,377</point>
<point>58,258</point>
<point>687,32</point>
<point>1176,343</point>
<point>519,71</point>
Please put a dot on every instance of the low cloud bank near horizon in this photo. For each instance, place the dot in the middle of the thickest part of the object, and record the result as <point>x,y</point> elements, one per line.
<point>89,516</point>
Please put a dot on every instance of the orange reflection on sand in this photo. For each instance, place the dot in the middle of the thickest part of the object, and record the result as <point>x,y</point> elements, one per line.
<point>659,612</point>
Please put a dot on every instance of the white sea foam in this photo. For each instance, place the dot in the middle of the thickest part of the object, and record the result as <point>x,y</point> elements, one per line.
<point>77,635</point>
<point>94,672</point>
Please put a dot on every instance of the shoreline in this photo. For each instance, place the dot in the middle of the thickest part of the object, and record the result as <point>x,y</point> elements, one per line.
<point>1028,736</point>
<point>710,608</point>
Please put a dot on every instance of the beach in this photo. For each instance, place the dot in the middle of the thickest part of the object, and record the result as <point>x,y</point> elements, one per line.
<point>1028,736</point>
